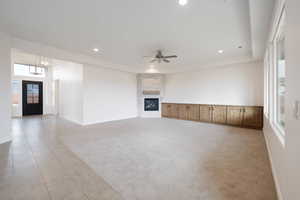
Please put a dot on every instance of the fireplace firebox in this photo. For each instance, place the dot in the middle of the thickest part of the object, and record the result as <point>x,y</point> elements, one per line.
<point>151,104</point>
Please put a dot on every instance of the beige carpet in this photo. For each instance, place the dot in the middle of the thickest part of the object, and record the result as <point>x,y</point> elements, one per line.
<point>165,159</point>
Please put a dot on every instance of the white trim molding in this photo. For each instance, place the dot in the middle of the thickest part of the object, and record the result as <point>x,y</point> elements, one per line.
<point>5,139</point>
<point>107,121</point>
<point>273,135</point>
<point>275,176</point>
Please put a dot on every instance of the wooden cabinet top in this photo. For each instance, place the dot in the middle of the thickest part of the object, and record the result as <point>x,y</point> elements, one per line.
<point>250,106</point>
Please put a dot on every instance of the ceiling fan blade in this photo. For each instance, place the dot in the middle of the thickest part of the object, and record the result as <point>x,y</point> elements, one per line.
<point>174,56</point>
<point>165,60</point>
<point>153,60</point>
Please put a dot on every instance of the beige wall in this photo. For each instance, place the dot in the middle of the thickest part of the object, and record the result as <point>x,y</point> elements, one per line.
<point>5,88</point>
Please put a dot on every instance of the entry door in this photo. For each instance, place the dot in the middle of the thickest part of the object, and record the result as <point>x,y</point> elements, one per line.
<point>32,98</point>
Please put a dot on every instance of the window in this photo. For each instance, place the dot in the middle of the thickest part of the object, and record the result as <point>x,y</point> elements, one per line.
<point>15,92</point>
<point>28,70</point>
<point>32,93</point>
<point>280,80</point>
<point>275,76</point>
<point>280,76</point>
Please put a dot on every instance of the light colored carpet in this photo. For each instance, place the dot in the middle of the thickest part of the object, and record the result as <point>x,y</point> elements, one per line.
<point>165,159</point>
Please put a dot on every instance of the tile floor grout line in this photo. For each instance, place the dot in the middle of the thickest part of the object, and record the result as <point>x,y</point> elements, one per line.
<point>58,141</point>
<point>89,168</point>
<point>196,162</point>
<point>37,165</point>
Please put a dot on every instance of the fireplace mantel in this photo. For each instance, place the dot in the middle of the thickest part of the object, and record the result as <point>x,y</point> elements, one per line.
<point>150,86</point>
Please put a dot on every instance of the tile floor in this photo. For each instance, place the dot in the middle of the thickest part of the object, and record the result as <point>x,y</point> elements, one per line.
<point>38,166</point>
<point>132,159</point>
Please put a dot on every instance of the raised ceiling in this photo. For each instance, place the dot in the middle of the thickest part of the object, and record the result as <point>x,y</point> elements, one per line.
<point>126,31</point>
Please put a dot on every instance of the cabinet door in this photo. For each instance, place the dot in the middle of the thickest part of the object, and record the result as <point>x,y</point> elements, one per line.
<point>193,112</point>
<point>205,113</point>
<point>219,114</point>
<point>174,111</point>
<point>183,111</point>
<point>253,117</point>
<point>164,111</point>
<point>234,115</point>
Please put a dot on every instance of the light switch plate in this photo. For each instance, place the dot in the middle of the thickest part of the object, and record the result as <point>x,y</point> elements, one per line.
<point>297,109</point>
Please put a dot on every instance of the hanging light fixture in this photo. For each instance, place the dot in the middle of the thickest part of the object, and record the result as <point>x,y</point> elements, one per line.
<point>40,63</point>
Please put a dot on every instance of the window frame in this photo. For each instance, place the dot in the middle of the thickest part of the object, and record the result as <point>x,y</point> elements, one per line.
<point>267,83</point>
<point>43,75</point>
<point>279,31</point>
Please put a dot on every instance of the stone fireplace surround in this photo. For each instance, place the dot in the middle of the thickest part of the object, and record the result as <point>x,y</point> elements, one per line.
<point>150,86</point>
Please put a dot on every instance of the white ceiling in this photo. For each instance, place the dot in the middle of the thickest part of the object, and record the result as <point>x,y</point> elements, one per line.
<point>125,31</point>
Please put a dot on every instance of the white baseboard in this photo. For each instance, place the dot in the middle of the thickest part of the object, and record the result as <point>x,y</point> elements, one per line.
<point>71,120</point>
<point>277,185</point>
<point>5,139</point>
<point>110,120</point>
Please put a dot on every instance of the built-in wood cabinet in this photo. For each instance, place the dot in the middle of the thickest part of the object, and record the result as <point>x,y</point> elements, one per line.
<point>205,113</point>
<point>242,116</point>
<point>164,110</point>
<point>252,117</point>
<point>170,110</point>
<point>245,116</point>
<point>213,113</point>
<point>234,115</point>
<point>188,112</point>
<point>219,114</point>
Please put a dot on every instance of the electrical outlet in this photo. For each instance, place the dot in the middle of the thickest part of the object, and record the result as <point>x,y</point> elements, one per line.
<point>297,110</point>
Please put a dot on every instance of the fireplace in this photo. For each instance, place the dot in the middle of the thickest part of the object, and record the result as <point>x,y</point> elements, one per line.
<point>151,104</point>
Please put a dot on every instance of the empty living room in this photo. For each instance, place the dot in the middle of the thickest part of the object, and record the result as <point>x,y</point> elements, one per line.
<point>149,100</point>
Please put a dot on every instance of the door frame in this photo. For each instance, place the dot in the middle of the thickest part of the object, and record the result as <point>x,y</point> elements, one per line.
<point>41,95</point>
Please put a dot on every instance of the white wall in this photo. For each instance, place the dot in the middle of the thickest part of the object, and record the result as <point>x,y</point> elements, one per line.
<point>285,155</point>
<point>5,88</point>
<point>108,95</point>
<point>70,76</point>
<point>239,84</point>
<point>293,94</point>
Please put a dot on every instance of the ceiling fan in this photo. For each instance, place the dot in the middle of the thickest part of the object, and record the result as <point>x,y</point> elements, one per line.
<point>159,57</point>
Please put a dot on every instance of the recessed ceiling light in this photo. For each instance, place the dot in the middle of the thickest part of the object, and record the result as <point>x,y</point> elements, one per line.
<point>95,49</point>
<point>152,71</point>
<point>221,51</point>
<point>183,2</point>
